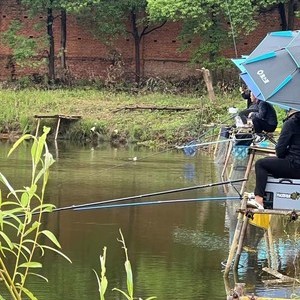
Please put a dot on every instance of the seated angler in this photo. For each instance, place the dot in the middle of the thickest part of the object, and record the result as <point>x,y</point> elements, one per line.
<point>251,106</point>
<point>286,163</point>
<point>265,119</point>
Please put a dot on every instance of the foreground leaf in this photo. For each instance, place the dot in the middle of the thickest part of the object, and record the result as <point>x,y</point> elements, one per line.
<point>51,237</point>
<point>31,264</point>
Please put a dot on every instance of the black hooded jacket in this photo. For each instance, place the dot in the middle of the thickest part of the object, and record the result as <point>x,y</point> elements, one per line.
<point>288,145</point>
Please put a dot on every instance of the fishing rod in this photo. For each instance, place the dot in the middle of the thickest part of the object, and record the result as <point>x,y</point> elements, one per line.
<point>158,202</point>
<point>204,144</point>
<point>72,207</point>
<point>215,126</point>
<point>191,147</point>
<point>215,142</point>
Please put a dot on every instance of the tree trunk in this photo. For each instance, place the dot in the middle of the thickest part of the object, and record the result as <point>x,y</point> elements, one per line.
<point>51,58</point>
<point>136,36</point>
<point>63,41</point>
<point>282,14</point>
<point>292,5</point>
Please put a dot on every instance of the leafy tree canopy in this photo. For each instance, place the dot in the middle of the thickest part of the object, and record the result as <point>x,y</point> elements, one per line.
<point>212,20</point>
<point>240,12</point>
<point>106,18</point>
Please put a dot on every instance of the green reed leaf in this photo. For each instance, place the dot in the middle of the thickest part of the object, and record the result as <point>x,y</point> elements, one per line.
<point>18,142</point>
<point>2,249</point>
<point>129,278</point>
<point>8,223</point>
<point>33,227</point>
<point>57,251</point>
<point>122,292</point>
<point>7,184</point>
<point>29,241</point>
<point>102,285</point>
<point>48,161</point>
<point>44,208</point>
<point>7,240</point>
<point>28,293</point>
<point>31,264</point>
<point>33,152</point>
<point>26,249</point>
<point>51,237</point>
<point>39,275</point>
<point>40,145</point>
<point>25,199</point>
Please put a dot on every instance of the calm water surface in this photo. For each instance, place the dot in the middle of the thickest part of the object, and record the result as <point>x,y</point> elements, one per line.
<point>176,250</point>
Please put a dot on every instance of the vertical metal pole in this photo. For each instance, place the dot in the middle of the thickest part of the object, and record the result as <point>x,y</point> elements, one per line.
<point>229,148</point>
<point>57,127</point>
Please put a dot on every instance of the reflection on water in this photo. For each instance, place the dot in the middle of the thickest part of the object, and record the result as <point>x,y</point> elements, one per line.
<point>176,250</point>
<point>207,240</point>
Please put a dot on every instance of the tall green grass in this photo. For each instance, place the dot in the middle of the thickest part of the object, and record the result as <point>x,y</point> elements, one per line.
<point>102,279</point>
<point>22,236</point>
<point>104,111</point>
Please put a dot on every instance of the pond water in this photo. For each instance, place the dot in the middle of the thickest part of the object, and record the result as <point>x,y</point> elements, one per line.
<point>177,250</point>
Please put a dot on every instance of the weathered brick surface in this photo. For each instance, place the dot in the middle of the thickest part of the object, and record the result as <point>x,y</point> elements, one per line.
<point>89,58</point>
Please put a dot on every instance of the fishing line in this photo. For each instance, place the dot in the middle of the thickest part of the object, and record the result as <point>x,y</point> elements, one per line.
<point>190,148</point>
<point>130,160</point>
<point>149,194</point>
<point>174,147</point>
<point>204,144</point>
<point>155,202</point>
<point>232,29</point>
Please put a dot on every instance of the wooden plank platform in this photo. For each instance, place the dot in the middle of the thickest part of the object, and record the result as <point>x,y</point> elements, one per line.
<point>59,117</point>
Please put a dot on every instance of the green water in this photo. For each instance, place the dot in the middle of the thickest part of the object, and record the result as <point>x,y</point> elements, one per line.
<point>177,250</point>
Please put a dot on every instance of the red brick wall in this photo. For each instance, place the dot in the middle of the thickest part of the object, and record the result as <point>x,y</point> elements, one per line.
<point>88,58</point>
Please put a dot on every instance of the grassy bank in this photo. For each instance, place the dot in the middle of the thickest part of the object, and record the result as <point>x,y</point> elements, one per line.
<point>105,112</point>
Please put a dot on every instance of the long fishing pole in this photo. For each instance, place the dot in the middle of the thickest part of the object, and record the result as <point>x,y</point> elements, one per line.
<point>216,125</point>
<point>214,142</point>
<point>158,202</point>
<point>204,144</point>
<point>149,194</point>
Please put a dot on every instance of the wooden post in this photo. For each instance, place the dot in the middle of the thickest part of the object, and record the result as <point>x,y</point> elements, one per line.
<point>57,128</point>
<point>236,237</point>
<point>240,243</point>
<point>208,81</point>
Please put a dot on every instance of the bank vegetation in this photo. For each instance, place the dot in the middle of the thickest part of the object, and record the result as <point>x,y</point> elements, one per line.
<point>151,118</point>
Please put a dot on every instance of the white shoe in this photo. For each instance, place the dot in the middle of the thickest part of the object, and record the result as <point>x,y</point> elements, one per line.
<point>250,195</point>
<point>259,138</point>
<point>251,203</point>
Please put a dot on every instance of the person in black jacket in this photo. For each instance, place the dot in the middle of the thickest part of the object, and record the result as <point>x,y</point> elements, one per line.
<point>245,93</point>
<point>265,119</point>
<point>286,163</point>
<point>252,106</point>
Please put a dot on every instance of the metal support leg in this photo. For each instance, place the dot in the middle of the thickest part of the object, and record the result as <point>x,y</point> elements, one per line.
<point>57,128</point>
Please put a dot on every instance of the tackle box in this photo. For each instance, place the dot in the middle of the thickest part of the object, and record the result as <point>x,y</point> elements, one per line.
<point>282,193</point>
